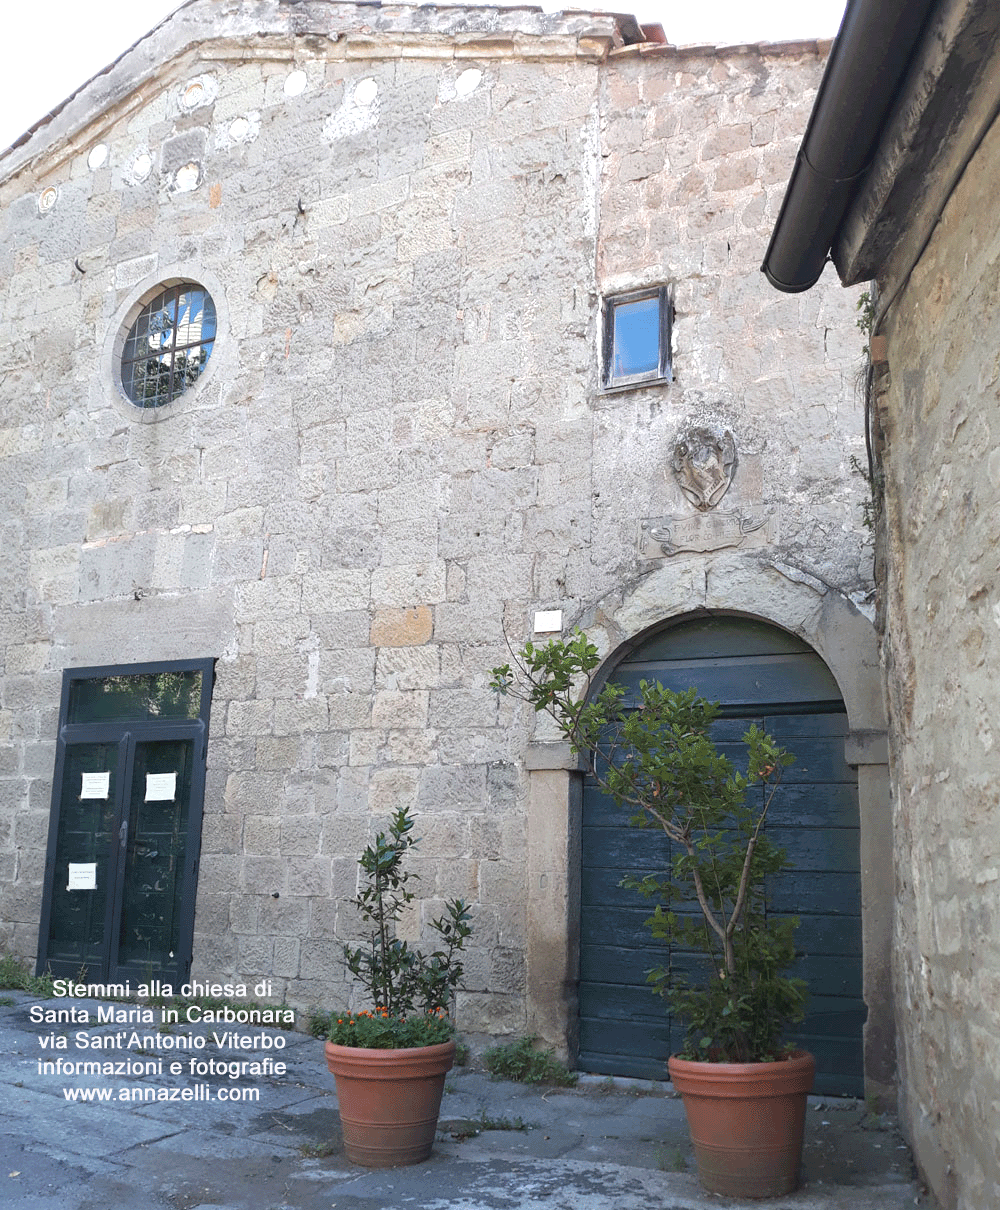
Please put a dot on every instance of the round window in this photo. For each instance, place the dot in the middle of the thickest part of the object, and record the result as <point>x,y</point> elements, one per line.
<point>168,345</point>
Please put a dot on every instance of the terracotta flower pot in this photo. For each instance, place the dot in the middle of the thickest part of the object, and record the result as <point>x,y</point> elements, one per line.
<point>389,1101</point>
<point>746,1122</point>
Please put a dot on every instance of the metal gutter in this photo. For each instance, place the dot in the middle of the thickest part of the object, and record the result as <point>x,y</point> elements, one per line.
<point>868,62</point>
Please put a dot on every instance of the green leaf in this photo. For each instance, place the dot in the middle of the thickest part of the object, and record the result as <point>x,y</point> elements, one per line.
<point>656,760</point>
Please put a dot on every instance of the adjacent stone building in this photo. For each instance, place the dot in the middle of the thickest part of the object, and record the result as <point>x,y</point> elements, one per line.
<point>340,344</point>
<point>922,222</point>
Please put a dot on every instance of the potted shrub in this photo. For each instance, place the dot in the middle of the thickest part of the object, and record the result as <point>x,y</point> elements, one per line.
<point>390,1058</point>
<point>744,1092</point>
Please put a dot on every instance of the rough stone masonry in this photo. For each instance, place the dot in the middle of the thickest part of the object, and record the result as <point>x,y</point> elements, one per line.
<point>400,449</point>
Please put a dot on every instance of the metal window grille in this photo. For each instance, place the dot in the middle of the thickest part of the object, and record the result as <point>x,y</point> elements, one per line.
<point>168,346</point>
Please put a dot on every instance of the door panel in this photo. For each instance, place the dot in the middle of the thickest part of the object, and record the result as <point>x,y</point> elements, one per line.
<point>126,823</point>
<point>759,674</point>
<point>155,848</point>
<point>78,921</point>
<point>765,680</point>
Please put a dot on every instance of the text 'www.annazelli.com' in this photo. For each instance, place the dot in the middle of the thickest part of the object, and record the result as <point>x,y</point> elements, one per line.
<point>198,1092</point>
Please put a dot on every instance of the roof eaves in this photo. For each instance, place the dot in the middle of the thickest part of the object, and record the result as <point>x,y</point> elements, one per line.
<point>196,22</point>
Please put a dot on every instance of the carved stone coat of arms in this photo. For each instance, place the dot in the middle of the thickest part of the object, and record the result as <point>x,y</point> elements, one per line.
<point>703,463</point>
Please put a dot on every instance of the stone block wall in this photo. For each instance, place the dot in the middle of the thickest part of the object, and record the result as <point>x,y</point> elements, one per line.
<point>697,145</point>
<point>400,449</point>
<point>939,414</point>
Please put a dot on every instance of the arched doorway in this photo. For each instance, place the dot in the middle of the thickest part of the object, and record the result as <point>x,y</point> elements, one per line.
<point>760,673</point>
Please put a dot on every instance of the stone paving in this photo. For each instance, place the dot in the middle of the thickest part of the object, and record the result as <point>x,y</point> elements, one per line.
<point>501,1146</point>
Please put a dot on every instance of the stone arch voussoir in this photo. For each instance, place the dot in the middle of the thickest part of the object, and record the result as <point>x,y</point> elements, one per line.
<point>820,615</point>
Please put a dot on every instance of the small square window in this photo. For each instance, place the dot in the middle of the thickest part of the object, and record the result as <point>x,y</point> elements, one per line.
<point>636,339</point>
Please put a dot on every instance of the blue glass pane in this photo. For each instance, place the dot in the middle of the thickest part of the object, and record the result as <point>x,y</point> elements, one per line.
<point>195,318</point>
<point>636,337</point>
<point>168,346</point>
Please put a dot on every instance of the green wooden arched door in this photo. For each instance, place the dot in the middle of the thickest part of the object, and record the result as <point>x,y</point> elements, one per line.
<point>758,673</point>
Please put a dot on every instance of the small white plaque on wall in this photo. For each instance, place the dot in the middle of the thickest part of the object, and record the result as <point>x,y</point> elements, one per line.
<point>548,621</point>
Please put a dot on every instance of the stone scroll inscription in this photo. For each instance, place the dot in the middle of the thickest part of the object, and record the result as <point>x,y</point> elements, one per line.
<point>705,532</point>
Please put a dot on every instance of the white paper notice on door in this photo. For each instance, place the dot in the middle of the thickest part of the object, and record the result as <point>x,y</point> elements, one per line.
<point>95,785</point>
<point>82,876</point>
<point>161,787</point>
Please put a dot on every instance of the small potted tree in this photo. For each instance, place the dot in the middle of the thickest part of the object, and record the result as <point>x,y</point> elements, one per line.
<point>390,1058</point>
<point>744,1092</point>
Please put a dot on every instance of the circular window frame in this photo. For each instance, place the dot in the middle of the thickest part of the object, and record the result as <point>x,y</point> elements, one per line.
<point>139,297</point>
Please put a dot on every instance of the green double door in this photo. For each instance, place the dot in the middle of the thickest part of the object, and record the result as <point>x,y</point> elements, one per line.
<point>764,675</point>
<point>124,837</point>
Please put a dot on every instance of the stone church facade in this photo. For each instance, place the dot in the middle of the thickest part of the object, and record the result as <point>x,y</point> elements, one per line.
<point>462,314</point>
